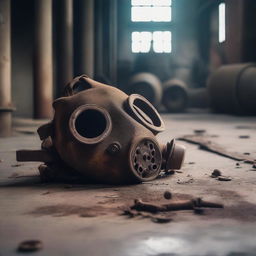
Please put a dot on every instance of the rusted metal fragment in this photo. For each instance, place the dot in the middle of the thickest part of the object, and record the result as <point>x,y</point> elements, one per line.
<point>45,131</point>
<point>139,205</point>
<point>30,246</point>
<point>206,144</point>
<point>224,178</point>
<point>34,156</point>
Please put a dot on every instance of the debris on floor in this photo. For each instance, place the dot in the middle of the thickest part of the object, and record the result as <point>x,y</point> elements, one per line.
<point>216,173</point>
<point>207,144</point>
<point>167,195</point>
<point>152,210</point>
<point>16,165</point>
<point>224,178</point>
<point>185,181</point>
<point>244,137</point>
<point>30,246</point>
<point>199,131</point>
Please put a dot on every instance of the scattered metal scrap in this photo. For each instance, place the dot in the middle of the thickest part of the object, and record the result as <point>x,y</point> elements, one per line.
<point>224,178</point>
<point>167,195</point>
<point>244,137</point>
<point>30,246</point>
<point>179,205</point>
<point>139,205</point>
<point>160,213</point>
<point>218,175</point>
<point>207,144</point>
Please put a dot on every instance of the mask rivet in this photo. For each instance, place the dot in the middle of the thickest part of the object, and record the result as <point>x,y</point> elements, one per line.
<point>114,148</point>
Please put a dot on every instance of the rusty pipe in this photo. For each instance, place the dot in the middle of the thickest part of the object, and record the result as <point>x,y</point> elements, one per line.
<point>5,68</point>
<point>65,43</point>
<point>177,96</point>
<point>85,49</point>
<point>43,68</point>
<point>147,85</point>
<point>233,88</point>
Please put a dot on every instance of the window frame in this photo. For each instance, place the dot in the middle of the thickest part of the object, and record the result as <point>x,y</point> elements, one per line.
<point>151,26</point>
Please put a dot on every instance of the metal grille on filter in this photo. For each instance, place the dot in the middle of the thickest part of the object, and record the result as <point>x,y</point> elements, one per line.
<point>146,158</point>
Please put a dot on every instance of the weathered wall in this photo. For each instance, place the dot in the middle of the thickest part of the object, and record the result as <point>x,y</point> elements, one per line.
<point>185,49</point>
<point>22,57</point>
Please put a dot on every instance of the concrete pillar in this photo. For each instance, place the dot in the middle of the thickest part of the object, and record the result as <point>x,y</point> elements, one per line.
<point>113,40</point>
<point>85,51</point>
<point>65,43</point>
<point>43,68</point>
<point>5,68</point>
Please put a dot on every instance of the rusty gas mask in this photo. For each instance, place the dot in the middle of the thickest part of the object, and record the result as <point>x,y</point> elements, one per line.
<point>105,136</point>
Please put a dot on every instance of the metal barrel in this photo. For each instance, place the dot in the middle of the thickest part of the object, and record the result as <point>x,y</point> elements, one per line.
<point>147,85</point>
<point>198,98</point>
<point>232,89</point>
<point>175,95</point>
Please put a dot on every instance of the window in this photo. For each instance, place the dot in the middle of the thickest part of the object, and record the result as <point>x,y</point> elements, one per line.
<point>151,12</point>
<point>141,41</point>
<point>222,22</point>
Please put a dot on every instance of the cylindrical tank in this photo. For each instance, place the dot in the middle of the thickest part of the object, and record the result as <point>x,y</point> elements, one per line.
<point>198,98</point>
<point>177,96</point>
<point>147,85</point>
<point>232,89</point>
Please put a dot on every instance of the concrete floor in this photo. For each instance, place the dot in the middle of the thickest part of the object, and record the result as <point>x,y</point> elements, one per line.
<point>86,220</point>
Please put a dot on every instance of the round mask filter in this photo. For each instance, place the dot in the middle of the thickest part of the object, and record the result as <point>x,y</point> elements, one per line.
<point>146,159</point>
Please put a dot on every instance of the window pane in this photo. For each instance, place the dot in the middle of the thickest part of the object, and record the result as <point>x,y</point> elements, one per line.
<point>141,13</point>
<point>146,36</point>
<point>161,14</point>
<point>135,46</point>
<point>145,46</point>
<point>162,41</point>
<point>167,36</point>
<point>161,2</point>
<point>151,2</point>
<point>167,47</point>
<point>158,46</point>
<point>141,2</point>
<point>141,41</point>
<point>151,14</point>
<point>222,25</point>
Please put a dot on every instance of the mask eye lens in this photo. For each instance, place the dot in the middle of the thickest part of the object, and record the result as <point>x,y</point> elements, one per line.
<point>144,112</point>
<point>90,124</point>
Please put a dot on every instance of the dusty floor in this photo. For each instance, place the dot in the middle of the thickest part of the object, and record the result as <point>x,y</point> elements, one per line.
<point>85,219</point>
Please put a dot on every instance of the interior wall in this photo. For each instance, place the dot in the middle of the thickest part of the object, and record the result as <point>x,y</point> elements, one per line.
<point>239,45</point>
<point>22,56</point>
<point>184,55</point>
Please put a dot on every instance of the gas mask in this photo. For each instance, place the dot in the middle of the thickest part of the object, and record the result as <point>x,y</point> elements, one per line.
<point>103,135</point>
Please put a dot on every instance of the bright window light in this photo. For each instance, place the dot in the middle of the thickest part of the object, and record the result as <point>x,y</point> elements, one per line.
<point>141,2</point>
<point>152,2</point>
<point>222,23</point>
<point>162,41</point>
<point>141,41</point>
<point>161,13</point>
<point>151,10</point>
<point>141,14</point>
